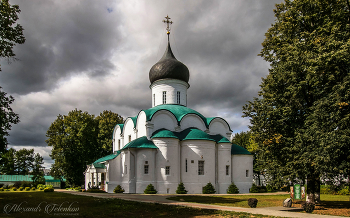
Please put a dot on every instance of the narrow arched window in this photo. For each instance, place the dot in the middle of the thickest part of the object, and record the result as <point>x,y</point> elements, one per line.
<point>178,97</point>
<point>164,97</point>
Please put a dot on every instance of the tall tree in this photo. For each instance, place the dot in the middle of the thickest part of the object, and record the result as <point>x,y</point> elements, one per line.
<point>107,120</point>
<point>10,34</point>
<point>301,120</point>
<point>7,118</point>
<point>37,168</point>
<point>7,163</point>
<point>24,159</point>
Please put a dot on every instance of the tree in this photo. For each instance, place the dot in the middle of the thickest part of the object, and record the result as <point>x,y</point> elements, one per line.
<point>107,120</point>
<point>301,120</point>
<point>37,169</point>
<point>10,33</point>
<point>7,117</point>
<point>24,159</point>
<point>7,165</point>
<point>79,139</point>
<point>74,141</point>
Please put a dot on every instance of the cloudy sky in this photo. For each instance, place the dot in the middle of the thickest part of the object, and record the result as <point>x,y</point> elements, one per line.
<point>96,55</point>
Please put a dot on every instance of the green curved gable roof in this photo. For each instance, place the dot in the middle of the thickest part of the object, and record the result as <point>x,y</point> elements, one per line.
<point>179,112</point>
<point>142,142</point>
<point>108,157</point>
<point>134,120</point>
<point>236,149</point>
<point>189,134</point>
<point>164,133</point>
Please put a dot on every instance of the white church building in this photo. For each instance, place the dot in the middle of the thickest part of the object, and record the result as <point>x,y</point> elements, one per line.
<point>171,143</point>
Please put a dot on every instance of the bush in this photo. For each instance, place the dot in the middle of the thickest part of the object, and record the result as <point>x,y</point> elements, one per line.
<point>254,189</point>
<point>95,190</point>
<point>33,189</point>
<point>150,190</point>
<point>78,188</point>
<point>14,189</point>
<point>252,202</point>
<point>208,189</point>
<point>308,207</point>
<point>269,188</point>
<point>21,188</point>
<point>181,189</point>
<point>48,189</point>
<point>118,189</point>
<point>232,189</point>
<point>344,191</point>
<point>48,186</point>
<point>40,186</point>
<point>1,189</point>
<point>25,184</point>
<point>27,188</point>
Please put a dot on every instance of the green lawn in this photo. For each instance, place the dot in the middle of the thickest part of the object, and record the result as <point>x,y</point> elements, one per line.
<point>96,207</point>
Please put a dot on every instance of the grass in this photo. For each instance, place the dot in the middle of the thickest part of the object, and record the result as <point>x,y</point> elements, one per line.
<point>86,206</point>
<point>338,205</point>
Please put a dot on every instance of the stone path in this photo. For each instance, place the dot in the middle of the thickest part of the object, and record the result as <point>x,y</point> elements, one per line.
<point>161,199</point>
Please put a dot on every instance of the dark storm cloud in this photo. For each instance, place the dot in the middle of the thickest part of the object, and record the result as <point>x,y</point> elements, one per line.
<point>61,40</point>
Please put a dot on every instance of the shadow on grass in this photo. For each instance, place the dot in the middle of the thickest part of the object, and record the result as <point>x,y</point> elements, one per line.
<point>335,204</point>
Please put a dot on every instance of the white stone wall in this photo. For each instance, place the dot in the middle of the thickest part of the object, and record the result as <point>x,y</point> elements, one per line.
<point>142,179</point>
<point>167,155</point>
<point>240,164</point>
<point>114,175</point>
<point>194,151</point>
<point>116,137</point>
<point>224,159</point>
<point>171,86</point>
<point>128,131</point>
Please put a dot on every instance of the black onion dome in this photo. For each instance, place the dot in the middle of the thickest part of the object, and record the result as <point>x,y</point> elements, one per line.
<point>169,68</point>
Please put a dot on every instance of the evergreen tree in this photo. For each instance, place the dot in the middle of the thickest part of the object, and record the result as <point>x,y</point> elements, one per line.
<point>301,120</point>
<point>181,189</point>
<point>208,189</point>
<point>232,189</point>
<point>150,190</point>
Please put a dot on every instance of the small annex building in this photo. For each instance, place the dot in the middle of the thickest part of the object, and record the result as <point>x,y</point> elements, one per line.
<point>171,143</point>
<point>11,179</point>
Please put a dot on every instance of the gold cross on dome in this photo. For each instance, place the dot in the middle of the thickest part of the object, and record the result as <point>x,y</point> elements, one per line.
<point>167,23</point>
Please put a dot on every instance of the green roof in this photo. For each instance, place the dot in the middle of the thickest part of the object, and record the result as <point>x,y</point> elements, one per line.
<point>121,128</point>
<point>179,112</point>
<point>141,142</point>
<point>14,178</point>
<point>236,149</point>
<point>52,179</point>
<point>108,157</point>
<point>134,120</point>
<point>190,134</point>
<point>99,165</point>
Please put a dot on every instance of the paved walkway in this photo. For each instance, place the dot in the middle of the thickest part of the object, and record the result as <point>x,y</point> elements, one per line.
<point>162,199</point>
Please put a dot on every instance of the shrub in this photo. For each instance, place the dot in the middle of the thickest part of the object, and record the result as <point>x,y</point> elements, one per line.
<point>48,189</point>
<point>344,191</point>
<point>232,189</point>
<point>254,189</point>
<point>25,184</point>
<point>208,189</point>
<point>252,202</point>
<point>269,188</point>
<point>118,189</point>
<point>40,186</point>
<point>308,206</point>
<point>181,189</point>
<point>150,190</point>
<point>77,188</point>
<point>21,188</point>
<point>27,188</point>
<point>95,190</point>
<point>1,185</point>
<point>14,189</point>
<point>33,189</point>
<point>48,186</point>
<point>1,189</point>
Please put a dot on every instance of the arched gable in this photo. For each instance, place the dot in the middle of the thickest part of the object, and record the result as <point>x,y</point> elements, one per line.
<point>218,125</point>
<point>141,124</point>
<point>164,119</point>
<point>192,120</point>
<point>117,135</point>
<point>128,130</point>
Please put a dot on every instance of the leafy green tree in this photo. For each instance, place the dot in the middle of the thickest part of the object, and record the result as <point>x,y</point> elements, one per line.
<point>7,164</point>
<point>24,159</point>
<point>301,120</point>
<point>11,34</point>
<point>73,138</point>
<point>107,120</point>
<point>242,139</point>
<point>7,117</point>
<point>37,169</point>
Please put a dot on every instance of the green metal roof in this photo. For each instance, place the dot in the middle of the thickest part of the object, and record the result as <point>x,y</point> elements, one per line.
<point>190,134</point>
<point>51,179</point>
<point>121,128</point>
<point>108,157</point>
<point>179,112</point>
<point>164,133</point>
<point>134,120</point>
<point>99,165</point>
<point>14,178</point>
<point>141,142</point>
<point>236,149</point>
